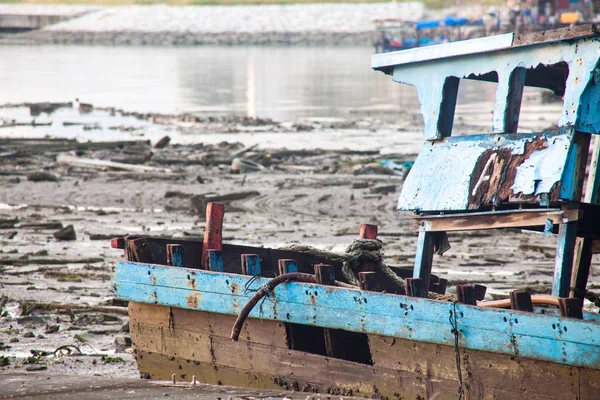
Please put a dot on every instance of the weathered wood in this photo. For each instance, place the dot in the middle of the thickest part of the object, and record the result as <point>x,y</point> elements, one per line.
<point>565,251</point>
<point>196,343</point>
<point>479,291</point>
<point>415,287</point>
<point>465,294</point>
<point>175,254</point>
<point>493,220</point>
<point>368,281</point>
<point>139,250</point>
<point>521,300</point>
<point>117,243</point>
<point>447,107</point>
<point>367,231</point>
<point>213,233</point>
<point>441,286</point>
<point>583,248</point>
<point>367,312</point>
<point>570,33</point>
<point>251,264</point>
<point>325,274</point>
<point>215,260</point>
<point>513,101</point>
<point>286,266</point>
<point>104,164</point>
<point>571,307</point>
<point>424,257</point>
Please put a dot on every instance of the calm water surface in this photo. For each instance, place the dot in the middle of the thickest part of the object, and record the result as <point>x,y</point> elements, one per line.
<point>275,82</point>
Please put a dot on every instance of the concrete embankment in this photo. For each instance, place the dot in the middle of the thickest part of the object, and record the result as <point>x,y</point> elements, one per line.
<point>331,24</point>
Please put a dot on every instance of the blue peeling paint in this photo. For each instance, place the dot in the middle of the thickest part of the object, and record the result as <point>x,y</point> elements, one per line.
<point>545,337</point>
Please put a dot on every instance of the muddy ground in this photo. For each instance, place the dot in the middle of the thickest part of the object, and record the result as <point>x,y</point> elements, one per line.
<point>57,310</point>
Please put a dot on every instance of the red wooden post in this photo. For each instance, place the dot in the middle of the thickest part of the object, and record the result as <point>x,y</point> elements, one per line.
<point>367,232</point>
<point>521,300</point>
<point>213,236</point>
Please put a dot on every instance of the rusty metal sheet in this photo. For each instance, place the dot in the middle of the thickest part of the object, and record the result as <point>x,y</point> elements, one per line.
<point>476,172</point>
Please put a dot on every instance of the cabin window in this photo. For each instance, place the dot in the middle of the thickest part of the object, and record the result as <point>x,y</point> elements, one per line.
<point>475,104</point>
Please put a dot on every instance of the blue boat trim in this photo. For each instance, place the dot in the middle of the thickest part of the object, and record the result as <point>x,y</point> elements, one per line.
<point>543,337</point>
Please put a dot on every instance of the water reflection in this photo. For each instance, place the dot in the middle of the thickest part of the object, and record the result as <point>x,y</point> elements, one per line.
<point>274,82</point>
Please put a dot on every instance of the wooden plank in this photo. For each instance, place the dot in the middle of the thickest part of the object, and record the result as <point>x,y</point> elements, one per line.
<point>413,365</point>
<point>502,331</point>
<point>483,373</point>
<point>493,220</point>
<point>554,35</point>
<point>205,323</point>
<point>213,236</point>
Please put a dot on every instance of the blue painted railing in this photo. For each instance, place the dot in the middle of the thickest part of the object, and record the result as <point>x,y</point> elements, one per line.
<point>543,337</point>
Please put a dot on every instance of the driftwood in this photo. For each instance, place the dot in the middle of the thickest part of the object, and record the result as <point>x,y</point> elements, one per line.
<point>91,163</point>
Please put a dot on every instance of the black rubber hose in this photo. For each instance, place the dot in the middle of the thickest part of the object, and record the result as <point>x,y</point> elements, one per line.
<point>268,288</point>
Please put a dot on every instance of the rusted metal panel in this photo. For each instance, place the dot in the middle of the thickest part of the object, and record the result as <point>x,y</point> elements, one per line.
<point>474,172</point>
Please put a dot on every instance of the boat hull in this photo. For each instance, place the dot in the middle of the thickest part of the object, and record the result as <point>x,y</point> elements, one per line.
<point>171,340</point>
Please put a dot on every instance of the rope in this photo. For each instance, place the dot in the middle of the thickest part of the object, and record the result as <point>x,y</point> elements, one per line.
<point>359,251</point>
<point>454,323</point>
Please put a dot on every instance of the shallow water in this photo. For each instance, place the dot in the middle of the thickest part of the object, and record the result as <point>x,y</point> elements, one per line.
<point>281,83</point>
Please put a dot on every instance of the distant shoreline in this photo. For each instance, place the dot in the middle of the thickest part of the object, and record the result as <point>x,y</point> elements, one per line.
<point>339,24</point>
<point>43,37</point>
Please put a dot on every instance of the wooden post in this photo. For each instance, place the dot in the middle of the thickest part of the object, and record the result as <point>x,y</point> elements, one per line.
<point>287,265</point>
<point>563,265</point>
<point>368,281</point>
<point>250,264</point>
<point>175,255</point>
<point>213,233</point>
<point>325,274</point>
<point>442,285</point>
<point>367,231</point>
<point>215,260</point>
<point>424,257</point>
<point>415,287</point>
<point>479,292</point>
<point>571,307</point>
<point>447,107</point>
<point>583,248</point>
<point>117,242</point>
<point>139,251</point>
<point>466,294</point>
<point>512,105</point>
<point>521,300</point>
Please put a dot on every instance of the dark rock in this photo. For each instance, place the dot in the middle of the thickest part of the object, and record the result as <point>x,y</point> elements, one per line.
<point>66,233</point>
<point>162,143</point>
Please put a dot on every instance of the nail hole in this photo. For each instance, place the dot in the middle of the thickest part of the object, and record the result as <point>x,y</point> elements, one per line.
<point>505,320</point>
<point>553,326</point>
<point>149,273</point>
<point>565,328</point>
<point>516,321</point>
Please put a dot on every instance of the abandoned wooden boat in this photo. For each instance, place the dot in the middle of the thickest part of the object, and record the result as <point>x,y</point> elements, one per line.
<point>310,329</point>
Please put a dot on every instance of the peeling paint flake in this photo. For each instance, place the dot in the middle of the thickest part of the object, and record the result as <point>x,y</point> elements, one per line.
<point>491,170</point>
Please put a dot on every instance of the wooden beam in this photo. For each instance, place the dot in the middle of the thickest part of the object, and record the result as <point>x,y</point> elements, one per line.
<point>465,294</point>
<point>563,266</point>
<point>493,220</point>
<point>415,287</point>
<point>424,257</point>
<point>447,107</point>
<point>583,248</point>
<point>367,231</point>
<point>571,307</point>
<point>251,264</point>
